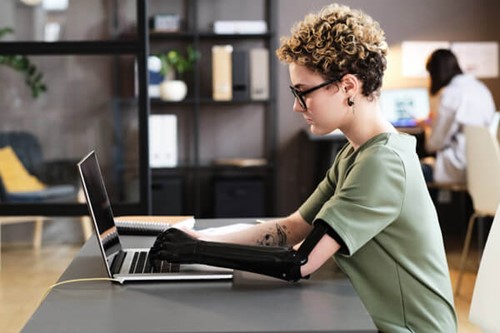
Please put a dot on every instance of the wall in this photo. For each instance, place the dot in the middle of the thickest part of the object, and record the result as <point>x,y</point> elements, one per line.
<point>449,20</point>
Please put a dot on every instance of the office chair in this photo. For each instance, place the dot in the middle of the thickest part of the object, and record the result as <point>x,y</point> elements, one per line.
<point>486,296</point>
<point>495,125</point>
<point>483,182</point>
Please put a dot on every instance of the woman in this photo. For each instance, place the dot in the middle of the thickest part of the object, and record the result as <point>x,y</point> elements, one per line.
<point>463,100</point>
<point>372,212</point>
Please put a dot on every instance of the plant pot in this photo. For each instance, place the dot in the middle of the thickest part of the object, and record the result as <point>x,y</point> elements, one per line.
<point>173,90</point>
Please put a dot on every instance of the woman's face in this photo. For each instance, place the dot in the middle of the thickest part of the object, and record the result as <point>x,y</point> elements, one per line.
<point>325,109</point>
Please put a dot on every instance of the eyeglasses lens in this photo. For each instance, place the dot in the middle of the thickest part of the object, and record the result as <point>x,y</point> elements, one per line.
<point>298,95</point>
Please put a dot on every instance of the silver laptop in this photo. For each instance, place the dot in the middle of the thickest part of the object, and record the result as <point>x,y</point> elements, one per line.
<point>125,264</point>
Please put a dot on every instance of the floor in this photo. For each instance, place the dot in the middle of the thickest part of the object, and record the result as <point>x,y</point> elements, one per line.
<point>21,294</point>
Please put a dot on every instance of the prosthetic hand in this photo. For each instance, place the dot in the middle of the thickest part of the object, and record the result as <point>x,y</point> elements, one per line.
<point>176,246</point>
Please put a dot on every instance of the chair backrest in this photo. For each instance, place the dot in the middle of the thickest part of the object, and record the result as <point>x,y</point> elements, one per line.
<point>15,176</point>
<point>495,125</point>
<point>26,146</point>
<point>3,192</point>
<point>486,297</point>
<point>483,169</point>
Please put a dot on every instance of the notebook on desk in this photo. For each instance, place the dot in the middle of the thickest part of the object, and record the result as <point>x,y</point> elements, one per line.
<point>125,264</point>
<point>150,225</point>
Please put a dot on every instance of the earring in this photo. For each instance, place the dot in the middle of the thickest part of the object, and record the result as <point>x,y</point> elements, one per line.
<point>350,101</point>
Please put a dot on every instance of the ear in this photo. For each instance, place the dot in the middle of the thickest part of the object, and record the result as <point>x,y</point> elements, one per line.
<point>350,85</point>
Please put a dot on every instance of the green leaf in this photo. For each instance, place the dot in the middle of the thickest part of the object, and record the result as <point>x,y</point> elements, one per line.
<point>22,64</point>
<point>175,60</point>
<point>5,31</point>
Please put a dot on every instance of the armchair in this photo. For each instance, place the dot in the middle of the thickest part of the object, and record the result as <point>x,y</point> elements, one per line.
<point>26,177</point>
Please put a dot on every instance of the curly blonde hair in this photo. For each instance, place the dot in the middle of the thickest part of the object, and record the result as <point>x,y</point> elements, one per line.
<point>336,41</point>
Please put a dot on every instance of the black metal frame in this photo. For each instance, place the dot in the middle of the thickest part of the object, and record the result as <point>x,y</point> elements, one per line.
<point>138,47</point>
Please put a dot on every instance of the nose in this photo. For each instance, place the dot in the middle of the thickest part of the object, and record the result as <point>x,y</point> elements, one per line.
<point>297,107</point>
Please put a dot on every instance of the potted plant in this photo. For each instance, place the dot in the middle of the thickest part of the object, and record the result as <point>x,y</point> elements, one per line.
<point>173,66</point>
<point>21,63</point>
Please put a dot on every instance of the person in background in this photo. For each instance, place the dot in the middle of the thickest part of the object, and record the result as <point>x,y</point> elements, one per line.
<point>462,100</point>
<point>372,211</point>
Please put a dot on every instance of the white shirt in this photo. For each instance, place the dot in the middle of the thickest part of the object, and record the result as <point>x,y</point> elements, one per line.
<point>464,101</point>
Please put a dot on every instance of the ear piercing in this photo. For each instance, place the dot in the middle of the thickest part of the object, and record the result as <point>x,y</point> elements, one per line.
<point>350,101</point>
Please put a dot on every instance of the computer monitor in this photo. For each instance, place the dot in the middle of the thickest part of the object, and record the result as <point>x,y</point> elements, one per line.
<point>404,107</point>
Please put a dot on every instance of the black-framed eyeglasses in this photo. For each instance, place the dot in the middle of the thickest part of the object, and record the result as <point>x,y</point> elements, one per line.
<point>299,95</point>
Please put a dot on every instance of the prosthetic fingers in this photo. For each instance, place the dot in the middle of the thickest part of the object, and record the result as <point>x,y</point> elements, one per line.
<point>176,246</point>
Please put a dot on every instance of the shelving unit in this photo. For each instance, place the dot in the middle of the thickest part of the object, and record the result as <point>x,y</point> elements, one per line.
<point>209,129</point>
<point>136,45</point>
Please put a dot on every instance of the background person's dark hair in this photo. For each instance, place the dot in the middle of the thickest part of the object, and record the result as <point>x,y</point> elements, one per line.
<point>442,66</point>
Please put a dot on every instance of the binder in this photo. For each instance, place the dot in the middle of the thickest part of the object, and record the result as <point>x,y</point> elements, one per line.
<point>259,74</point>
<point>162,141</point>
<point>222,72</point>
<point>241,80</point>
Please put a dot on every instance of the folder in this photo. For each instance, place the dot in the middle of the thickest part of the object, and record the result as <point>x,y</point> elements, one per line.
<point>259,74</point>
<point>162,141</point>
<point>241,80</point>
<point>222,85</point>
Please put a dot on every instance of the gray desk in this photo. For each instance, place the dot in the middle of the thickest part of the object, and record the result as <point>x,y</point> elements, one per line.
<point>250,303</point>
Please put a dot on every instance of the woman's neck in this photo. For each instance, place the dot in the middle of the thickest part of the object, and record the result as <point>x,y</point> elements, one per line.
<point>366,122</point>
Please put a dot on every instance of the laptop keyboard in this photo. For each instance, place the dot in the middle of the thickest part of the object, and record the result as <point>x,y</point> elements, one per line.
<point>141,264</point>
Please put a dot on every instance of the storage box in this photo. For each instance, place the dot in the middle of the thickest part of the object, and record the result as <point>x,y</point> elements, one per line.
<point>240,27</point>
<point>239,197</point>
<point>165,22</point>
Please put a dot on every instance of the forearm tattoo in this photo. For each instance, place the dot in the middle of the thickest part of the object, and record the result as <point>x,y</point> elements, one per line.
<point>275,237</point>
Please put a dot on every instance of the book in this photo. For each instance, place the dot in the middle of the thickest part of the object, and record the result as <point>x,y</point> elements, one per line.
<point>151,225</point>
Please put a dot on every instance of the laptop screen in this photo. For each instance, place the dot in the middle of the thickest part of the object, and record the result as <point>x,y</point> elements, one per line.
<point>99,205</point>
<point>403,107</point>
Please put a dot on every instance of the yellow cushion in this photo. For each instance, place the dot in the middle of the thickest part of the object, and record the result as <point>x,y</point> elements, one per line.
<point>14,175</point>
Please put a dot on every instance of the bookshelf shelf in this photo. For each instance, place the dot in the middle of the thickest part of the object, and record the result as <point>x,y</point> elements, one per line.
<point>213,36</point>
<point>209,129</point>
<point>169,36</point>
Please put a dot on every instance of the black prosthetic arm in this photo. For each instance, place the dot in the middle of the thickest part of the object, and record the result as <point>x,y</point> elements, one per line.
<point>175,246</point>
<point>320,228</point>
